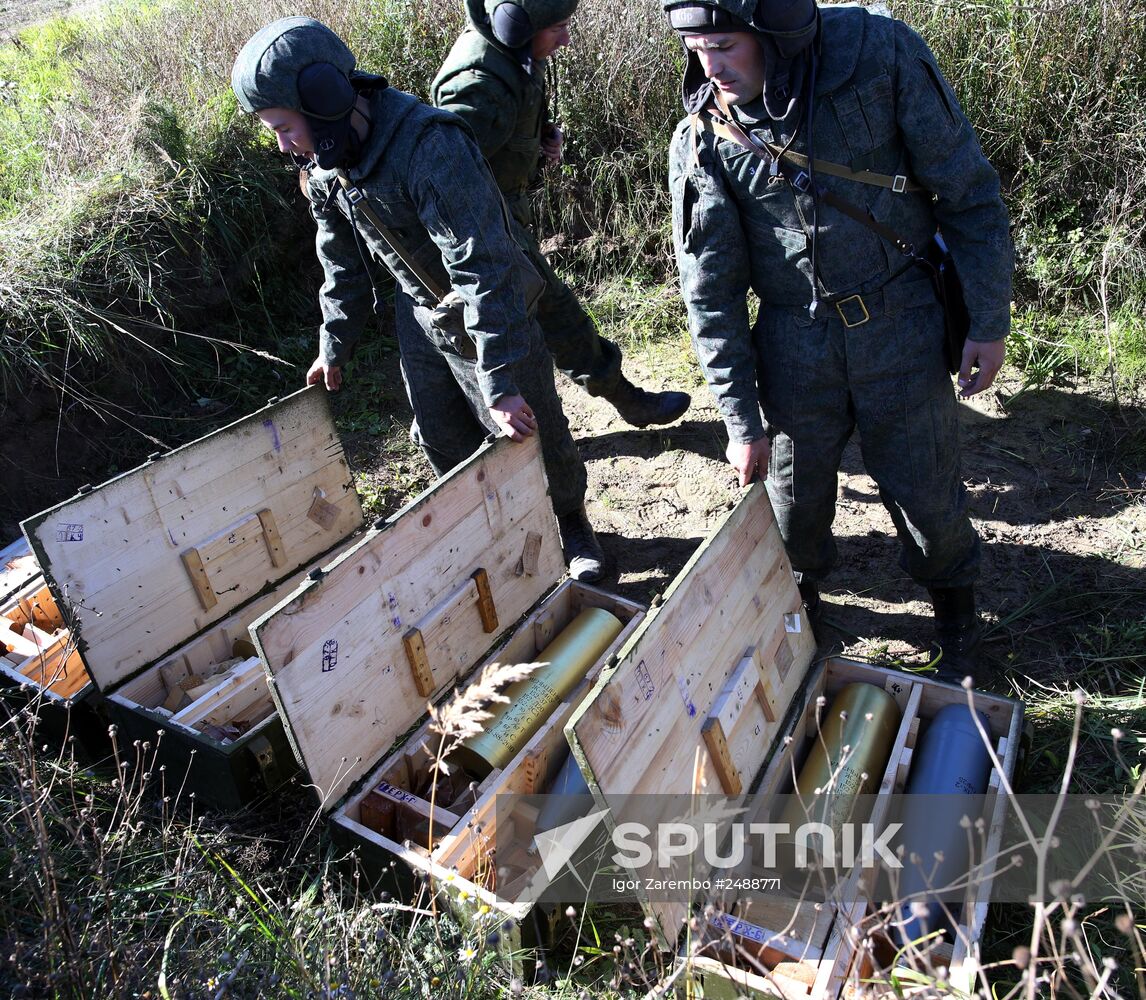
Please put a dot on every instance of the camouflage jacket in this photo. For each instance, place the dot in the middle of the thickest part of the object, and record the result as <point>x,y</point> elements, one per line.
<point>425,178</point>
<point>880,104</point>
<point>503,101</point>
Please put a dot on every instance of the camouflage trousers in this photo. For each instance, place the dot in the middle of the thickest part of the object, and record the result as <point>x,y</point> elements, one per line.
<point>571,334</point>
<point>451,420</point>
<point>819,381</point>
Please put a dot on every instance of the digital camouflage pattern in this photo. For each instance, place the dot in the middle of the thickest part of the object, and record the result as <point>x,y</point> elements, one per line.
<point>426,180</point>
<point>880,103</point>
<point>504,103</point>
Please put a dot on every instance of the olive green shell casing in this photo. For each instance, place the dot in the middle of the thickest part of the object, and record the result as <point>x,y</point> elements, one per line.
<point>531,701</point>
<point>847,757</point>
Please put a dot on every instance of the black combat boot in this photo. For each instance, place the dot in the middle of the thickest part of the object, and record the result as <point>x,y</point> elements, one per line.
<point>813,606</point>
<point>640,407</point>
<point>583,554</point>
<point>957,632</point>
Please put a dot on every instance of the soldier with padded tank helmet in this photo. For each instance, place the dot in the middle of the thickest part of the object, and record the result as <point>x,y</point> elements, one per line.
<point>378,156</point>
<point>494,78</point>
<point>822,151</point>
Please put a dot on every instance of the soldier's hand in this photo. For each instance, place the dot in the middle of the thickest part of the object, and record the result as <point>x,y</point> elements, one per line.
<point>551,145</point>
<point>328,375</point>
<point>514,417</point>
<point>749,460</point>
<point>987,357</point>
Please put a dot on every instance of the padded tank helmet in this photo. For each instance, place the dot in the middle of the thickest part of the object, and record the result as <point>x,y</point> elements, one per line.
<point>785,29</point>
<point>299,64</point>
<point>515,22</point>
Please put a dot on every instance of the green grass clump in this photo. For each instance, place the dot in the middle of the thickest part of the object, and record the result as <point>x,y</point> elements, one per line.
<point>123,99</point>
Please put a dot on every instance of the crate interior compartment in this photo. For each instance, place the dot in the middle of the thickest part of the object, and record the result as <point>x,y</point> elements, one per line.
<point>809,942</point>
<point>19,570</point>
<point>36,645</point>
<point>214,686</point>
<point>393,807</point>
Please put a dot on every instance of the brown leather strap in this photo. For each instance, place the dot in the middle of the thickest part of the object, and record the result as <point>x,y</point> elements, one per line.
<point>359,201</point>
<point>727,128</point>
<point>778,157</point>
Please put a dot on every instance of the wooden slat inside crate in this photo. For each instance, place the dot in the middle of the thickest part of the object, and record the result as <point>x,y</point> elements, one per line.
<point>118,552</point>
<point>344,680</point>
<point>36,648</point>
<point>642,731</point>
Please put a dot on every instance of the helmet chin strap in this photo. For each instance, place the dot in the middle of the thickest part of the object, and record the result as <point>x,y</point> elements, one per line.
<point>344,153</point>
<point>784,78</point>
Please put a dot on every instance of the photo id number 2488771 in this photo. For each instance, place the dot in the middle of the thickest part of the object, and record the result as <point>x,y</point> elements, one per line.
<point>746,884</point>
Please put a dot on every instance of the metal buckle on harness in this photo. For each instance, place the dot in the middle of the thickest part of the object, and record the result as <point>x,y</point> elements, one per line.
<point>840,309</point>
<point>800,181</point>
<point>899,184</point>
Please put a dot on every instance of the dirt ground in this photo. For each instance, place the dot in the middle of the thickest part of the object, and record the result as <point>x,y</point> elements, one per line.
<point>1056,477</point>
<point>1057,481</point>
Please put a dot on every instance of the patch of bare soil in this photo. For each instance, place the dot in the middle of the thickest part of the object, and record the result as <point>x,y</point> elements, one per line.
<point>1056,482</point>
<point>17,14</point>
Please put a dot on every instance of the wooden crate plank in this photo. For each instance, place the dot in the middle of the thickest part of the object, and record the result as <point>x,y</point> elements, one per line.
<point>116,551</point>
<point>344,711</point>
<point>640,729</point>
<point>726,771</point>
<point>245,684</point>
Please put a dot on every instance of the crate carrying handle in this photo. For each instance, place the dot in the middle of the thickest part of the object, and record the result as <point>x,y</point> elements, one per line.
<point>219,545</point>
<point>476,590</point>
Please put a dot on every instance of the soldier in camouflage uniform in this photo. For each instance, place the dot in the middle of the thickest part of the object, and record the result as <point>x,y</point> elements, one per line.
<point>494,78</point>
<point>849,334</point>
<point>424,178</point>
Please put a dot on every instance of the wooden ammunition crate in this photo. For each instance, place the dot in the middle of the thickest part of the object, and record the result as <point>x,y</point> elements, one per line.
<point>717,693</point>
<point>412,610</point>
<point>39,664</point>
<point>160,572</point>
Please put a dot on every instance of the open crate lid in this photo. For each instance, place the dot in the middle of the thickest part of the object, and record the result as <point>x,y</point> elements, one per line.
<point>357,651</point>
<point>146,561</point>
<point>18,568</point>
<point>701,690</point>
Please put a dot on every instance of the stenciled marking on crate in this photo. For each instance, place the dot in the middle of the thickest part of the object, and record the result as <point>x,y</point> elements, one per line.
<point>895,687</point>
<point>69,532</point>
<point>270,426</point>
<point>645,681</point>
<point>400,794</point>
<point>395,619</point>
<point>329,655</point>
<point>686,697</point>
<point>741,928</point>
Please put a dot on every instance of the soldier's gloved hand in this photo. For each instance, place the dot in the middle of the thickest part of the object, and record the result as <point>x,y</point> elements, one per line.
<point>328,375</point>
<point>749,460</point>
<point>514,417</point>
<point>987,357</point>
<point>551,144</point>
